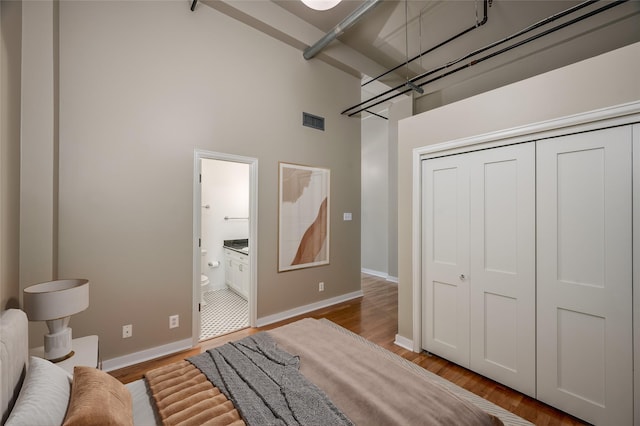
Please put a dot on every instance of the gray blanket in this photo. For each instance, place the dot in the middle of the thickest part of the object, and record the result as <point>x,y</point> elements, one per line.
<point>265,384</point>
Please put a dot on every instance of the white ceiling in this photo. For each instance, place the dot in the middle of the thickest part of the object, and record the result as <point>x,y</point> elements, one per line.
<point>394,30</point>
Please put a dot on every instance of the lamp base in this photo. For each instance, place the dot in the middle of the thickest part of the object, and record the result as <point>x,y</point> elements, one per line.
<point>57,346</point>
<point>67,356</point>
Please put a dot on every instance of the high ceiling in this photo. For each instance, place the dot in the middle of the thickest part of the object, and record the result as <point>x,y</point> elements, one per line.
<point>394,31</point>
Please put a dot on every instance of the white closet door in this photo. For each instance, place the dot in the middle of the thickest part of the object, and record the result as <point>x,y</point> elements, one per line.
<point>636,263</point>
<point>584,346</point>
<point>502,265</point>
<point>446,258</point>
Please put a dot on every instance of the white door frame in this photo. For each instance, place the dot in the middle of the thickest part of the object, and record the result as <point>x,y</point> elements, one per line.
<point>199,155</point>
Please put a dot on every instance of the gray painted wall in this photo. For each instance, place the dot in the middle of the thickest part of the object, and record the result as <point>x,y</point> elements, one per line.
<point>143,84</point>
<point>380,189</point>
<point>375,195</point>
<point>10,83</point>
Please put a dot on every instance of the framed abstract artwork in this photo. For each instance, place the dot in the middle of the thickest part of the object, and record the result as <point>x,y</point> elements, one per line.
<point>303,216</point>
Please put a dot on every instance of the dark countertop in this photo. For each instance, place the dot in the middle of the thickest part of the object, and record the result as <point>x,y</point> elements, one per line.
<point>240,245</point>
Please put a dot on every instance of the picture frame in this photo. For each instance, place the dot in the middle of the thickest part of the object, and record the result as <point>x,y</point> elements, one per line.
<point>303,216</point>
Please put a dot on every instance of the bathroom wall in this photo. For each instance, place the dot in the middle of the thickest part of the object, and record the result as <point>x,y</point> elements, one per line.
<point>225,189</point>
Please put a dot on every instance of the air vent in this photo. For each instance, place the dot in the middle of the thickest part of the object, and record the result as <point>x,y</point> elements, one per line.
<point>313,121</point>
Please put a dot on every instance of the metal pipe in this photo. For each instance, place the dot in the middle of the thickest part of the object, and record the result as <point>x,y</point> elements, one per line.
<point>377,115</point>
<point>341,27</point>
<point>447,41</point>
<point>474,62</point>
<point>491,55</point>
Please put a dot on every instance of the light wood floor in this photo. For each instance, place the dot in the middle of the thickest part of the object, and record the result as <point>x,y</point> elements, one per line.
<point>375,317</point>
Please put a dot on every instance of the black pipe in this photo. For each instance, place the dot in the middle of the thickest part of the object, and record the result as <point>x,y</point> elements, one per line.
<point>193,5</point>
<point>483,49</point>
<point>449,40</point>
<point>506,49</point>
<point>494,44</point>
<point>377,115</point>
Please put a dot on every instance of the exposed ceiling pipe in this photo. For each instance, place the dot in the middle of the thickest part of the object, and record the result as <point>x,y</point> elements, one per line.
<point>347,22</point>
<point>398,90</point>
<point>478,24</point>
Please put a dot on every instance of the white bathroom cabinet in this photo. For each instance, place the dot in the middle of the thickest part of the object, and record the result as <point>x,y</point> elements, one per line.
<point>236,272</point>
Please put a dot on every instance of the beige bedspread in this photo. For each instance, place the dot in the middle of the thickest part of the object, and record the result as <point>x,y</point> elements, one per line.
<point>368,387</point>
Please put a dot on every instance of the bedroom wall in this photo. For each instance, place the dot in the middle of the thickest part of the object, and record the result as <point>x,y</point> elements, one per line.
<point>605,80</point>
<point>380,189</point>
<point>375,196</point>
<point>143,84</point>
<point>399,110</point>
<point>38,144</point>
<point>10,83</point>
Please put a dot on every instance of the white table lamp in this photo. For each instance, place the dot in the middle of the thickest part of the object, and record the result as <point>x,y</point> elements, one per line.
<point>55,302</point>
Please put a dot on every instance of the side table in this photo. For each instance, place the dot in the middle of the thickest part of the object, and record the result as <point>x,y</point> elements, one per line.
<point>85,350</point>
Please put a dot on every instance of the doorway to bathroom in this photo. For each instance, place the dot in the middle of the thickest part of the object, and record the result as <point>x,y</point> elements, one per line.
<point>224,238</point>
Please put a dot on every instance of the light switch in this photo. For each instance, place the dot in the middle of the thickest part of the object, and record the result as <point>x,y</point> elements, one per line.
<point>347,216</point>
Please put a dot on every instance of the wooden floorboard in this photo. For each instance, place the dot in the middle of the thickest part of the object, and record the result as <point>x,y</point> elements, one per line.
<point>375,317</point>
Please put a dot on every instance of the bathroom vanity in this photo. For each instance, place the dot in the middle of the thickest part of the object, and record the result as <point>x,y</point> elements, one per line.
<point>236,266</point>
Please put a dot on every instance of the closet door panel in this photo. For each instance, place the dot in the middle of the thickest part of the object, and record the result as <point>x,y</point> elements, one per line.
<point>636,265</point>
<point>584,313</point>
<point>502,265</point>
<point>446,253</point>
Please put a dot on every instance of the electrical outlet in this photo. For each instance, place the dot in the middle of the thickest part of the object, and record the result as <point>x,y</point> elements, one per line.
<point>321,286</point>
<point>174,321</point>
<point>127,331</point>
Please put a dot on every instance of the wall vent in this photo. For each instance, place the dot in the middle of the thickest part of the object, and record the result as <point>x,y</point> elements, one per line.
<point>312,121</point>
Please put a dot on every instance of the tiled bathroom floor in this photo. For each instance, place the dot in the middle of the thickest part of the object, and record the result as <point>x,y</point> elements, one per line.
<point>223,313</point>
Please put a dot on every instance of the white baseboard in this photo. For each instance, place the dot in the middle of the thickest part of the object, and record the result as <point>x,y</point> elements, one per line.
<point>374,273</point>
<point>379,274</point>
<point>403,342</point>
<point>171,348</point>
<point>146,355</point>
<point>212,287</point>
<point>270,319</point>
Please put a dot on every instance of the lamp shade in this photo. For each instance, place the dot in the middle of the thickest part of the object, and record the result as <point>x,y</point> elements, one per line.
<point>56,299</point>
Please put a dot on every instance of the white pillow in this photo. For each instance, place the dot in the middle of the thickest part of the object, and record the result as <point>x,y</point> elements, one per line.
<point>44,396</point>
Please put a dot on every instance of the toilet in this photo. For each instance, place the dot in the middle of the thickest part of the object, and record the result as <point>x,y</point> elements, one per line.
<point>204,282</point>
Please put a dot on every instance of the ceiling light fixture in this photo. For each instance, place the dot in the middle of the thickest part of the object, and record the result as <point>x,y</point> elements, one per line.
<point>321,4</point>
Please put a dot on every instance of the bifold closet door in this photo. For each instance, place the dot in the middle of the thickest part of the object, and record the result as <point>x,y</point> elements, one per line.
<point>502,265</point>
<point>479,262</point>
<point>445,293</point>
<point>584,284</point>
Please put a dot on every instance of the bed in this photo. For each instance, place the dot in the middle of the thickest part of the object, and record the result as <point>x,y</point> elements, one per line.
<point>307,372</point>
